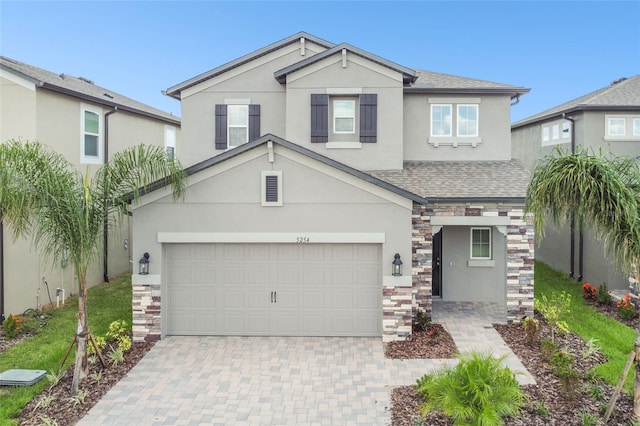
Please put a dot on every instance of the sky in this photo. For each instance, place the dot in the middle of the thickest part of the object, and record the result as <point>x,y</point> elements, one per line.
<point>560,50</point>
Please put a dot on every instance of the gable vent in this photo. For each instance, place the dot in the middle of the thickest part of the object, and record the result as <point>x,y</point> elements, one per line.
<point>272,188</point>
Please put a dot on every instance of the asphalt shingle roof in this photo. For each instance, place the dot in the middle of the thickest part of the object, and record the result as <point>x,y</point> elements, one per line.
<point>430,79</point>
<point>460,179</point>
<point>625,93</point>
<point>83,88</point>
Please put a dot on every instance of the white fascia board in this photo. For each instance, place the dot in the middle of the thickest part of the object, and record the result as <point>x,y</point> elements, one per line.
<point>470,220</point>
<point>17,79</point>
<point>345,177</point>
<point>202,175</point>
<point>272,237</point>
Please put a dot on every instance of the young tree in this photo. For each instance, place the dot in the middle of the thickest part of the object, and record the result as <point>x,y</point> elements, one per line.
<point>600,192</point>
<point>43,195</point>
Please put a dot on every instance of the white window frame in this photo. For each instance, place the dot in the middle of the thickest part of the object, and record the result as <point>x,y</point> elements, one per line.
<point>458,120</point>
<point>351,116</point>
<point>263,186</point>
<point>90,159</point>
<point>450,107</point>
<point>237,126</point>
<point>555,132</point>
<point>483,228</point>
<point>170,140</point>
<point>636,127</point>
<point>566,130</point>
<point>609,126</point>
<point>545,134</point>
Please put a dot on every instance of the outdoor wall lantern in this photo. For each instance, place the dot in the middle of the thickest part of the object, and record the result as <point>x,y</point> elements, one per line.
<point>143,265</point>
<point>397,265</point>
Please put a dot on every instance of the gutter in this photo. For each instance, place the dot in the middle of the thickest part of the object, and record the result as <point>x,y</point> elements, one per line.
<point>105,225</point>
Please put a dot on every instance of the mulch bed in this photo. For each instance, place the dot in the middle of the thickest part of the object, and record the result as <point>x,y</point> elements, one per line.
<point>562,409</point>
<point>64,410</point>
<point>434,342</point>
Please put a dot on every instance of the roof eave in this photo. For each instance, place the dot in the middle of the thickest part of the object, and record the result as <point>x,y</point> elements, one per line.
<point>511,91</point>
<point>578,108</point>
<point>110,104</point>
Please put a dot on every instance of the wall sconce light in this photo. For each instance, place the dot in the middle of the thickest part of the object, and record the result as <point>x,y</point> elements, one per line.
<point>396,265</point>
<point>143,265</point>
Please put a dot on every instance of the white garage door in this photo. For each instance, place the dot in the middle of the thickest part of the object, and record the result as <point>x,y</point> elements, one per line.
<point>274,289</point>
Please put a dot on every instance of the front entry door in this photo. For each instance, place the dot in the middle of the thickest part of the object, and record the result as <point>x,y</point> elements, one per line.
<point>436,268</point>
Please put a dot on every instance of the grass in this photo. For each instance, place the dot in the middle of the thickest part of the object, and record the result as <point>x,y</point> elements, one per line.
<point>44,351</point>
<point>615,339</point>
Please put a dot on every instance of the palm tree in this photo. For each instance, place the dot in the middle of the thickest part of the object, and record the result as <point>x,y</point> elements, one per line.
<point>43,195</point>
<point>600,192</point>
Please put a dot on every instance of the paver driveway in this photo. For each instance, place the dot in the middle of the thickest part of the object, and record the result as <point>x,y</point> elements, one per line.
<point>258,380</point>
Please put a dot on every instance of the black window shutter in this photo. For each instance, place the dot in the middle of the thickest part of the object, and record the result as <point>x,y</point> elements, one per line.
<point>369,118</point>
<point>254,122</point>
<point>319,118</point>
<point>271,188</point>
<point>221,126</point>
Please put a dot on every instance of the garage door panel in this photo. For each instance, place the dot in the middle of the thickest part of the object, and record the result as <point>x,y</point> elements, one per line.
<point>226,289</point>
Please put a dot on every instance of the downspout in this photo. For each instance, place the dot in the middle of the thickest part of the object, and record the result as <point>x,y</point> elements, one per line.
<point>105,226</point>
<point>573,218</point>
<point>1,271</point>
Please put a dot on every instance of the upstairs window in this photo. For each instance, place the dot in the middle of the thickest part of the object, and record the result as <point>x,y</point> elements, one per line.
<point>344,116</point>
<point>440,120</point>
<point>622,127</point>
<point>616,126</point>
<point>91,137</point>
<point>636,127</point>
<point>170,141</point>
<point>236,124</point>
<point>454,121</point>
<point>480,243</point>
<point>467,120</point>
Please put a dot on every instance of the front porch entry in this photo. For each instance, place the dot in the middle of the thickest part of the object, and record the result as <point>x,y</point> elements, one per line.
<point>485,313</point>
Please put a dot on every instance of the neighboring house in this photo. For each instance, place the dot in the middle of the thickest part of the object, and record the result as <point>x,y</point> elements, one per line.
<point>87,124</point>
<point>607,120</point>
<point>313,168</point>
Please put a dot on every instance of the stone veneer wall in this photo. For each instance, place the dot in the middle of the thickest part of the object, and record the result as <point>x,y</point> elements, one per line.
<point>147,320</point>
<point>398,310</point>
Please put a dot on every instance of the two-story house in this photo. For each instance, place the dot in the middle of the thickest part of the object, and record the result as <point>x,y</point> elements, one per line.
<point>87,124</point>
<point>333,192</point>
<point>605,121</point>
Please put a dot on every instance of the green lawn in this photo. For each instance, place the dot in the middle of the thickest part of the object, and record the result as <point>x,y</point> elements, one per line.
<point>614,338</point>
<point>107,303</point>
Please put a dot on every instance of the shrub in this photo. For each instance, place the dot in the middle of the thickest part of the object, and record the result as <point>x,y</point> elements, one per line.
<point>626,310</point>
<point>604,297</point>
<point>531,329</point>
<point>421,322</point>
<point>119,331</point>
<point>563,363</point>
<point>552,309</point>
<point>478,391</point>
<point>10,327</point>
<point>590,291</point>
<point>100,342</point>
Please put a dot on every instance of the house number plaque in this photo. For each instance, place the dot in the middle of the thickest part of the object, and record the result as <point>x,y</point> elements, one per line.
<point>302,240</point>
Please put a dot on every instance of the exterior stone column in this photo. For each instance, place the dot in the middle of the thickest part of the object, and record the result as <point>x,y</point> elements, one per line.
<point>520,266</point>
<point>147,318</point>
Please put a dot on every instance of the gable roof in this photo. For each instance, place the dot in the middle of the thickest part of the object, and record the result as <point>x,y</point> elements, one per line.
<point>620,95</point>
<point>409,75</point>
<point>422,182</point>
<point>174,91</point>
<point>82,88</point>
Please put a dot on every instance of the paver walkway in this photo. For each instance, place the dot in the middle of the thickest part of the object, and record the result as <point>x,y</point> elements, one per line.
<point>268,380</point>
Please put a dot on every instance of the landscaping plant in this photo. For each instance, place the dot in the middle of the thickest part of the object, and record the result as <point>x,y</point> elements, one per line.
<point>590,291</point>
<point>552,309</point>
<point>67,212</point>
<point>10,327</point>
<point>603,297</point>
<point>531,329</point>
<point>626,310</point>
<point>477,391</point>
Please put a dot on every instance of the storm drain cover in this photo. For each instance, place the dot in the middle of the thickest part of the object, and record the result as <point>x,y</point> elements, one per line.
<point>18,377</point>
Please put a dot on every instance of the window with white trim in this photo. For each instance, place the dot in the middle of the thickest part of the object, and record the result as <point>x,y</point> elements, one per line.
<point>566,130</point>
<point>170,141</point>
<point>344,116</point>
<point>616,126</point>
<point>467,120</point>
<point>481,243</point>
<point>91,139</point>
<point>271,192</point>
<point>545,134</point>
<point>440,120</point>
<point>636,127</point>
<point>238,125</point>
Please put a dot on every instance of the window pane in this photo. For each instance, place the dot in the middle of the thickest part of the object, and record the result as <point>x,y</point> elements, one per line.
<point>90,146</point>
<point>467,120</point>
<point>481,243</point>
<point>616,126</point>
<point>636,127</point>
<point>344,124</point>
<point>556,132</point>
<point>441,120</point>
<point>91,124</point>
<point>237,136</point>
<point>238,115</point>
<point>566,130</point>
<point>545,134</point>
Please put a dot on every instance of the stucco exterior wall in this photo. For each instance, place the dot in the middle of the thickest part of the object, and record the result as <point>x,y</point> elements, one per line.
<point>493,130</point>
<point>17,108</point>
